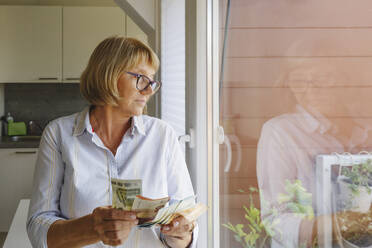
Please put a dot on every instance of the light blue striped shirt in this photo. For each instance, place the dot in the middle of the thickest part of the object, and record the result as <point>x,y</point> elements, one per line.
<point>73,171</point>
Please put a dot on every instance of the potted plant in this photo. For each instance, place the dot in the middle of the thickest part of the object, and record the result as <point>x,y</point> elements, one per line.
<point>355,186</point>
<point>356,229</point>
<point>356,196</point>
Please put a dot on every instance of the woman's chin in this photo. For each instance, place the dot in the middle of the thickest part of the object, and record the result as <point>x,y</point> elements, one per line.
<point>138,111</point>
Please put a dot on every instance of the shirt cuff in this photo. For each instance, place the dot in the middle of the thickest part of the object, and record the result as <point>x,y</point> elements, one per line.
<point>194,238</point>
<point>38,227</point>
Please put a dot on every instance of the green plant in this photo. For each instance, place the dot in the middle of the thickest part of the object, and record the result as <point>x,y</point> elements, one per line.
<point>358,176</point>
<point>297,200</point>
<point>257,231</point>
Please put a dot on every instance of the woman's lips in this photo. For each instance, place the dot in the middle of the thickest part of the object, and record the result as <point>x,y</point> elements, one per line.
<point>141,101</point>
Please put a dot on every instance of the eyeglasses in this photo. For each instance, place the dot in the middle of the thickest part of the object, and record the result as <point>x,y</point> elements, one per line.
<point>144,82</point>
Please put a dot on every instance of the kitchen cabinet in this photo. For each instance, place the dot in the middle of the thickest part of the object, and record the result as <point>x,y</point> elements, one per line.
<point>16,172</point>
<point>30,44</point>
<point>53,43</point>
<point>83,29</point>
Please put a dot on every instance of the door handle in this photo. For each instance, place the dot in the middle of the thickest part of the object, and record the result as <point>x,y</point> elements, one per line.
<point>188,138</point>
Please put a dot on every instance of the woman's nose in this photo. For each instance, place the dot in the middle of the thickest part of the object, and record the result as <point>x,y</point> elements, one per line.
<point>147,91</point>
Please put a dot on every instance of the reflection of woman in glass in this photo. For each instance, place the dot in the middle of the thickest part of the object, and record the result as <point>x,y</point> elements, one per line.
<point>322,122</point>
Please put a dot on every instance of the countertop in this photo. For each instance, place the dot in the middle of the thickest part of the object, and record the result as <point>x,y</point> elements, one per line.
<point>17,235</point>
<point>6,142</point>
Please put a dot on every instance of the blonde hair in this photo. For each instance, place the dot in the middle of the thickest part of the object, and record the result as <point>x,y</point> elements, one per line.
<point>113,56</point>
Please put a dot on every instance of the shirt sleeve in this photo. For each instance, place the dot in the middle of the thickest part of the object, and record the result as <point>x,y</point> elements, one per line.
<point>179,183</point>
<point>276,164</point>
<point>178,177</point>
<point>48,178</point>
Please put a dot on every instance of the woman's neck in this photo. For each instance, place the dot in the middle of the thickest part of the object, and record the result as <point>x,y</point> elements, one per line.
<point>110,125</point>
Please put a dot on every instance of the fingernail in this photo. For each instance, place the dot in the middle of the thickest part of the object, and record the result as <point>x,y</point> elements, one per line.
<point>176,223</point>
<point>166,228</point>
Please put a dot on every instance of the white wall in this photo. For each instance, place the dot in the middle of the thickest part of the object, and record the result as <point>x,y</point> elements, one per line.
<point>144,14</point>
<point>146,8</point>
<point>134,31</point>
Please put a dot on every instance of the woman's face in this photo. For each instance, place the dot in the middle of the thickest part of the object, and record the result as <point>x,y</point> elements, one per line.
<point>132,100</point>
<point>317,88</point>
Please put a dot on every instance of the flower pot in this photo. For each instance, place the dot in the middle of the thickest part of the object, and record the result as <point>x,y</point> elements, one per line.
<point>355,202</point>
<point>347,244</point>
<point>362,244</point>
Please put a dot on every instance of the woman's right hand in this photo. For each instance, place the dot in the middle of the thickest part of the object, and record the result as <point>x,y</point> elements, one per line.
<point>113,225</point>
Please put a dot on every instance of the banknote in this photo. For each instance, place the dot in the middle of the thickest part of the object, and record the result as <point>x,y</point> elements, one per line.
<point>147,208</point>
<point>193,213</point>
<point>124,192</point>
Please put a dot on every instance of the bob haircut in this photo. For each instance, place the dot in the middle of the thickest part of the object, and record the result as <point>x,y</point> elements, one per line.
<point>113,56</point>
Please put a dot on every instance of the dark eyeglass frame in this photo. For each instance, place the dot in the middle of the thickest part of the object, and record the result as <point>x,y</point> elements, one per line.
<point>151,82</point>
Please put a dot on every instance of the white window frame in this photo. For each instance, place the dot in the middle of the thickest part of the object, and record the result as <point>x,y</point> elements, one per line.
<point>202,112</point>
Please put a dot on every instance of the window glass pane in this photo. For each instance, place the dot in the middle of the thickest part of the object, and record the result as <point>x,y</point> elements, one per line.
<point>296,109</point>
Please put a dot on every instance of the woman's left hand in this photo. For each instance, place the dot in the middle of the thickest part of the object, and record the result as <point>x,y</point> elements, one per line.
<point>178,233</point>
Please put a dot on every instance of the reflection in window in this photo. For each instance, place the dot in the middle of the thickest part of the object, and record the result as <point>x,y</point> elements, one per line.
<point>296,86</point>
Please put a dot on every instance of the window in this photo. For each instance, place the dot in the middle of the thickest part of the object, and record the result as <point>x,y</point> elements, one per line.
<point>296,84</point>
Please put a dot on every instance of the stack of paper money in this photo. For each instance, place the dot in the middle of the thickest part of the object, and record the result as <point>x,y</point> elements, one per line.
<point>147,208</point>
<point>127,196</point>
<point>186,207</point>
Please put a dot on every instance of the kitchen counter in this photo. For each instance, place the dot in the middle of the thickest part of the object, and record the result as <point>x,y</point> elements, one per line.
<point>7,142</point>
<point>17,235</point>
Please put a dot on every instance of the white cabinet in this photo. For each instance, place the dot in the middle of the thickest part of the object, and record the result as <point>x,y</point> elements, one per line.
<point>54,43</point>
<point>83,29</point>
<point>30,44</point>
<point>16,176</point>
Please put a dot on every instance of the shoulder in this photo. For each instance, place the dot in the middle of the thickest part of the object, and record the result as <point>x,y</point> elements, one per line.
<point>61,126</point>
<point>152,124</point>
<point>281,123</point>
<point>281,129</point>
<point>287,129</point>
<point>64,122</point>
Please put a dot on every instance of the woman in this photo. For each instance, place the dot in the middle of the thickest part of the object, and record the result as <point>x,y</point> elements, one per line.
<point>79,154</point>
<point>287,151</point>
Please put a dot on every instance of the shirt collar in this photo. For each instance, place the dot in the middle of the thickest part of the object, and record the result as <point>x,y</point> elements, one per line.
<point>137,124</point>
<point>82,123</point>
<point>314,121</point>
